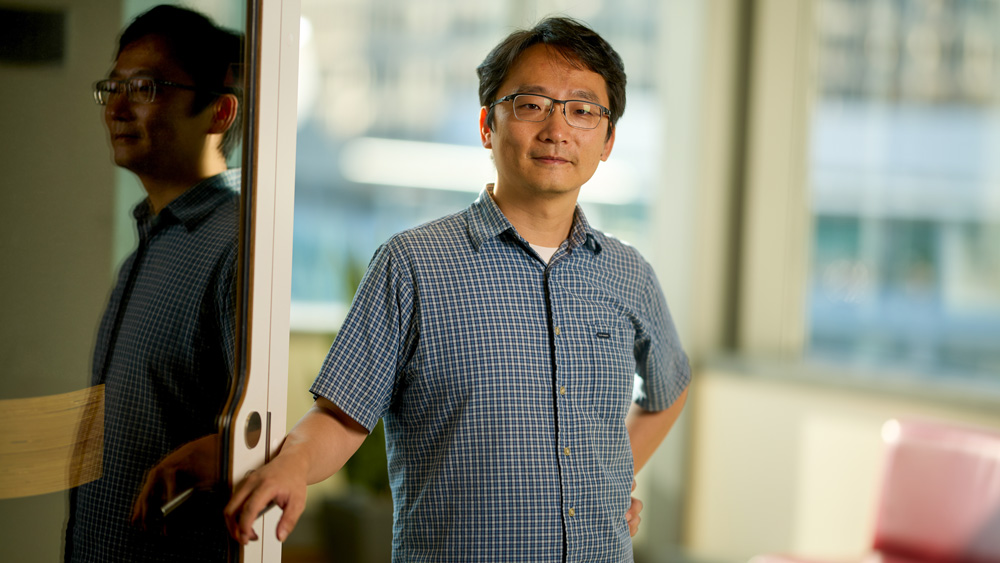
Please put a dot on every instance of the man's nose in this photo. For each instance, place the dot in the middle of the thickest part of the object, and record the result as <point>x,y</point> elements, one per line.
<point>556,127</point>
<point>118,106</point>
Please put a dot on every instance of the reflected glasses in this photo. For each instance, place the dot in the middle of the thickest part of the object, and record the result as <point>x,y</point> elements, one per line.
<point>139,89</point>
<point>536,107</point>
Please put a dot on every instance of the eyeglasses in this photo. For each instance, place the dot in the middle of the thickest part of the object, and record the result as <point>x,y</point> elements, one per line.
<point>139,89</point>
<point>536,107</point>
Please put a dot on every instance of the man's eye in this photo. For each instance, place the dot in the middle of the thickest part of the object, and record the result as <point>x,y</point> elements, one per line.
<point>142,86</point>
<point>528,104</point>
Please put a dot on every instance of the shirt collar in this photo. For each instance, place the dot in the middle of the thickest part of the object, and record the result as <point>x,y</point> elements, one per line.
<point>487,221</point>
<point>196,203</point>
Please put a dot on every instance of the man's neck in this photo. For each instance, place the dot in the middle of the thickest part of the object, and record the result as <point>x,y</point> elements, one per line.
<point>160,191</point>
<point>540,221</point>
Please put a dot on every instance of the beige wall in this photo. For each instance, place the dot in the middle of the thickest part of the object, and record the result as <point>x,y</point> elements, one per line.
<point>782,463</point>
<point>56,234</point>
<point>57,205</point>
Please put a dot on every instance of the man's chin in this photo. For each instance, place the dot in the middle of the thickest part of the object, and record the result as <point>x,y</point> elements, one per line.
<point>557,184</point>
<point>128,161</point>
<point>557,190</point>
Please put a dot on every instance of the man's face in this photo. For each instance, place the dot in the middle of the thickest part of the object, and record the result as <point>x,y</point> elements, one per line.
<point>547,158</point>
<point>161,138</point>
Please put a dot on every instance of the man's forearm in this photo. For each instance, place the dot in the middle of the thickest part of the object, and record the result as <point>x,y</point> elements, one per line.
<point>319,445</point>
<point>647,429</point>
<point>324,439</point>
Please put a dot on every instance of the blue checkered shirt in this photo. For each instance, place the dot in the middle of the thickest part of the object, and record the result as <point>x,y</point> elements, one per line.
<point>165,354</point>
<point>504,383</point>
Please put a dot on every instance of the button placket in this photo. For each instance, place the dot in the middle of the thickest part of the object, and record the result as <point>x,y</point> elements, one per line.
<point>563,344</point>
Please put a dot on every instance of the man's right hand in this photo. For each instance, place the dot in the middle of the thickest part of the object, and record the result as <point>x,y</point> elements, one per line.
<point>282,482</point>
<point>316,448</point>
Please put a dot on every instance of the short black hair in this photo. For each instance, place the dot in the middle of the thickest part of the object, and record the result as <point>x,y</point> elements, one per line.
<point>210,54</point>
<point>579,44</point>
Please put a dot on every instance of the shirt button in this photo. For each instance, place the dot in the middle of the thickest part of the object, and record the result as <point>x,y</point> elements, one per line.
<point>558,332</point>
<point>566,451</point>
<point>572,512</point>
<point>562,390</point>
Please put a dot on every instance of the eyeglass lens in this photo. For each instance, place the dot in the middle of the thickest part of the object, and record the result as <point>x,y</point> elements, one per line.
<point>578,113</point>
<point>139,90</point>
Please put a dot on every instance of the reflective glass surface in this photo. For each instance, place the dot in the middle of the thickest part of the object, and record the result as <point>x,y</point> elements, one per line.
<point>66,232</point>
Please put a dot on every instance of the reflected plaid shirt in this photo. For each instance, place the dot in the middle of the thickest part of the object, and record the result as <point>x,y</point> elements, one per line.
<point>165,354</point>
<point>504,383</point>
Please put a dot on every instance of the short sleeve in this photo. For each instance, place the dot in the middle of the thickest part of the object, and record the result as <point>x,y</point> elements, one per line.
<point>371,350</point>
<point>662,367</point>
<point>225,305</point>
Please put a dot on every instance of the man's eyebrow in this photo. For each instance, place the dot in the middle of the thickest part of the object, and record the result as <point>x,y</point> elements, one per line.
<point>585,95</point>
<point>146,72</point>
<point>530,89</point>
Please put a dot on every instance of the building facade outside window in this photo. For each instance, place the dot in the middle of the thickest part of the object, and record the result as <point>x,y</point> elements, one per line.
<point>905,186</point>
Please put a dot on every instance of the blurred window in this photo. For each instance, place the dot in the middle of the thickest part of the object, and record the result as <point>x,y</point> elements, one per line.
<point>388,129</point>
<point>905,180</point>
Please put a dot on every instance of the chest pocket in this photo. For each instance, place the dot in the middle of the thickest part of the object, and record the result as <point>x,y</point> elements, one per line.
<point>611,342</point>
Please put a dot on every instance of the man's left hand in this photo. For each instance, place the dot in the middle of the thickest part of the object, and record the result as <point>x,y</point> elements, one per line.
<point>193,465</point>
<point>632,516</point>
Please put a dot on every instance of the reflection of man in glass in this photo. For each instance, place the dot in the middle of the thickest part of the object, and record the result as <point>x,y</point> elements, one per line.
<point>500,343</point>
<point>166,343</point>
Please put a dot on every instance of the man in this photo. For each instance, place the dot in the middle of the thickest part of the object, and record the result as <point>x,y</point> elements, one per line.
<point>500,343</point>
<point>165,346</point>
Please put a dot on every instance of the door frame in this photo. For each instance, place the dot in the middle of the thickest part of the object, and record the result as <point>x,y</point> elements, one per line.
<point>259,403</point>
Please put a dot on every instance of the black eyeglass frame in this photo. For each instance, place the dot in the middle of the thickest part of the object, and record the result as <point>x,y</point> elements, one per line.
<point>510,98</point>
<point>156,83</point>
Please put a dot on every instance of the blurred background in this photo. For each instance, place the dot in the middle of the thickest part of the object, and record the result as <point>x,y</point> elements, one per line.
<point>816,183</point>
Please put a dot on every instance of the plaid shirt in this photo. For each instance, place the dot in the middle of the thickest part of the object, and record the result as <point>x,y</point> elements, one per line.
<point>165,354</point>
<point>504,383</point>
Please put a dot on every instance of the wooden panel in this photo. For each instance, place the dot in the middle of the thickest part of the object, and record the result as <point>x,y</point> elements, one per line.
<point>51,443</point>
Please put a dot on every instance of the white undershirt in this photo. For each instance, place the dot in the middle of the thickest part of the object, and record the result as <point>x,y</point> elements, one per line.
<point>544,251</point>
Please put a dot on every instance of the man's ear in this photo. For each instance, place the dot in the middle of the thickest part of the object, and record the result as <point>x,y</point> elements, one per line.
<point>485,134</point>
<point>609,143</point>
<point>223,113</point>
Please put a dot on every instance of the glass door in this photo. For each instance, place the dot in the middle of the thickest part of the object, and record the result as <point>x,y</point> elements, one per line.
<point>118,341</point>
